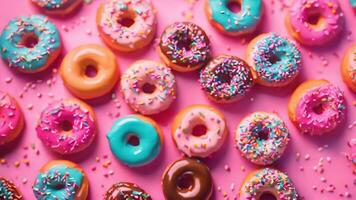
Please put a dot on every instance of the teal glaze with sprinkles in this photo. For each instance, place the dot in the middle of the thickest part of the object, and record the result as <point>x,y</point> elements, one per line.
<point>353,3</point>
<point>60,182</point>
<point>29,59</point>
<point>53,4</point>
<point>242,22</point>
<point>4,192</point>
<point>275,59</point>
<point>149,141</point>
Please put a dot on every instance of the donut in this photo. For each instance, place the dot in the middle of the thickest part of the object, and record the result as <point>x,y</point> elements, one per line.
<point>8,190</point>
<point>231,23</point>
<point>317,107</point>
<point>67,126</point>
<point>187,179</point>
<point>226,79</point>
<point>184,47</point>
<point>76,66</point>
<point>274,60</point>
<point>11,118</point>
<point>353,4</point>
<point>268,181</point>
<point>135,140</point>
<point>194,142</point>
<point>125,190</point>
<point>57,7</point>
<point>148,87</point>
<point>348,68</point>
<point>126,25</point>
<point>30,44</point>
<point>262,138</point>
<point>61,179</point>
<point>315,22</point>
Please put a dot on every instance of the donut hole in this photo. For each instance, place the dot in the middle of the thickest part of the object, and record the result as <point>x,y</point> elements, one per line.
<point>29,40</point>
<point>148,88</point>
<point>273,58</point>
<point>199,130</point>
<point>319,108</point>
<point>263,135</point>
<point>127,20</point>
<point>185,182</point>
<point>66,125</point>
<point>224,78</point>
<point>314,17</point>
<point>184,44</point>
<point>133,140</point>
<point>59,186</point>
<point>234,6</point>
<point>89,68</point>
<point>267,196</point>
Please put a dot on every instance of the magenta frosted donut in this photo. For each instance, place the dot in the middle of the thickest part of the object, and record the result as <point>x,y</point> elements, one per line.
<point>317,107</point>
<point>11,118</point>
<point>67,126</point>
<point>315,22</point>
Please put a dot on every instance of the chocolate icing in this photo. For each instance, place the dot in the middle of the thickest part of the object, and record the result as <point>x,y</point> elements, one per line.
<point>126,191</point>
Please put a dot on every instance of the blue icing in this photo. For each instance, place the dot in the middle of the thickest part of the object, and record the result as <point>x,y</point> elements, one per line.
<point>287,65</point>
<point>245,20</point>
<point>19,56</point>
<point>146,151</point>
<point>60,182</point>
<point>353,3</point>
<point>53,4</point>
<point>4,192</point>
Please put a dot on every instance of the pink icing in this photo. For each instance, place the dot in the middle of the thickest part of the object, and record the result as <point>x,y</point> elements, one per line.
<point>153,73</point>
<point>328,9</point>
<point>145,21</point>
<point>332,113</point>
<point>205,145</point>
<point>10,116</point>
<point>51,133</point>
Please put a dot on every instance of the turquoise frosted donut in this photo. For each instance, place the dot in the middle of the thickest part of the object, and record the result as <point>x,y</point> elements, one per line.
<point>30,44</point>
<point>147,133</point>
<point>231,23</point>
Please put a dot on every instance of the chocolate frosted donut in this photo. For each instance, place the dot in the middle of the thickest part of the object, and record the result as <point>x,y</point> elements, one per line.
<point>8,190</point>
<point>184,46</point>
<point>187,179</point>
<point>124,191</point>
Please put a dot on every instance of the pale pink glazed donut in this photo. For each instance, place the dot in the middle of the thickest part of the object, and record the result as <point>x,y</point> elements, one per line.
<point>11,118</point>
<point>148,87</point>
<point>67,126</point>
<point>317,107</point>
<point>315,22</point>
<point>209,140</point>
<point>126,25</point>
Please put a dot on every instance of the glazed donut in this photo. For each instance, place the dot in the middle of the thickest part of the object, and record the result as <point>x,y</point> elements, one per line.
<point>226,79</point>
<point>125,190</point>
<point>262,138</point>
<point>348,68</point>
<point>8,190</point>
<point>187,179</point>
<point>57,7</point>
<point>184,47</point>
<point>126,25</point>
<point>213,133</point>
<point>275,61</point>
<point>61,179</point>
<point>231,23</point>
<point>76,64</point>
<point>315,22</point>
<point>135,140</point>
<point>317,107</point>
<point>67,126</point>
<point>11,118</point>
<point>30,44</point>
<point>268,181</point>
<point>148,87</point>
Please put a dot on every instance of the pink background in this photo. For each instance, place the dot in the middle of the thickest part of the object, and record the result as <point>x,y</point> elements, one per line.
<point>318,63</point>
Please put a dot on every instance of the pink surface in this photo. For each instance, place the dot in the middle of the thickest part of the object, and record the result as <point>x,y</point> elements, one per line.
<point>41,89</point>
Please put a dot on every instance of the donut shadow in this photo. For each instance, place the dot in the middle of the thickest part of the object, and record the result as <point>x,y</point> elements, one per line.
<point>237,107</point>
<point>11,146</point>
<point>104,99</point>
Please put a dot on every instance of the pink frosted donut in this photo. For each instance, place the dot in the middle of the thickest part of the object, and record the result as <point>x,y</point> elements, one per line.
<point>126,25</point>
<point>317,107</point>
<point>67,126</point>
<point>194,142</point>
<point>11,118</point>
<point>315,22</point>
<point>148,87</point>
